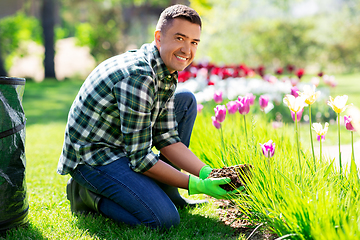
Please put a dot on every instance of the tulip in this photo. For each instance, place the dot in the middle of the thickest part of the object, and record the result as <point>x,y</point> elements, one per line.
<point>294,91</point>
<point>244,108</point>
<point>339,105</point>
<point>244,105</point>
<point>320,137</point>
<point>354,112</point>
<point>220,113</point>
<point>293,103</point>
<point>218,96</point>
<point>315,81</point>
<point>232,107</point>
<point>200,107</point>
<point>263,102</point>
<point>310,96</point>
<point>251,98</point>
<point>349,126</point>
<point>321,132</point>
<point>296,105</point>
<point>300,72</point>
<point>268,149</point>
<point>215,123</point>
<point>299,115</point>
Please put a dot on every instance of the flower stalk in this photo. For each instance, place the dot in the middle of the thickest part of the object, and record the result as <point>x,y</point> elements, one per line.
<point>311,140</point>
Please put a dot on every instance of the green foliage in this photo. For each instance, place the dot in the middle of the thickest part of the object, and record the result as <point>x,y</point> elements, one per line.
<point>265,33</point>
<point>14,30</point>
<point>310,204</point>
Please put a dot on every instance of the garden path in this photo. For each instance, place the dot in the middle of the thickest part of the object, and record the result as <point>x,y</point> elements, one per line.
<point>331,152</point>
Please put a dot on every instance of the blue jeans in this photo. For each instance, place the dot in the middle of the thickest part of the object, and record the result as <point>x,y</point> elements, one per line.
<point>133,198</point>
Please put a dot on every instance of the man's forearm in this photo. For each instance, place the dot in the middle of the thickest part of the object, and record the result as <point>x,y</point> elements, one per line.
<point>182,157</point>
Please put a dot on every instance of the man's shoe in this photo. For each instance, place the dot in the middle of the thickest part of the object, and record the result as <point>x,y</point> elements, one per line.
<point>81,199</point>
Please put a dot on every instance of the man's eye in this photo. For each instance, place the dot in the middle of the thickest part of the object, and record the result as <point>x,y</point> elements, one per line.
<point>180,38</point>
<point>195,43</point>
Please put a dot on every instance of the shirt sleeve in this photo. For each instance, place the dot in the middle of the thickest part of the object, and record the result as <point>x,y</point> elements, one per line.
<point>135,96</point>
<point>165,129</point>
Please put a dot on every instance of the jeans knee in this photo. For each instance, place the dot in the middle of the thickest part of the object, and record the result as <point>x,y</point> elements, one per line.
<point>170,220</point>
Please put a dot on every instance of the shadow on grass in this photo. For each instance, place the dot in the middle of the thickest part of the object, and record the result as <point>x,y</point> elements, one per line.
<point>192,226</point>
<point>49,101</point>
<point>23,232</point>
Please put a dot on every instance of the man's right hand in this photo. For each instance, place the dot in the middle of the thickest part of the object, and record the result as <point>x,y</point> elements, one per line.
<point>210,186</point>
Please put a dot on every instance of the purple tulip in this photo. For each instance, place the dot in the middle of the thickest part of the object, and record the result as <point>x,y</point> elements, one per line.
<point>216,123</point>
<point>268,149</point>
<point>263,101</point>
<point>322,138</point>
<point>348,125</point>
<point>251,98</point>
<point>244,105</point>
<point>299,115</point>
<point>232,107</point>
<point>294,91</point>
<point>218,96</point>
<point>220,113</point>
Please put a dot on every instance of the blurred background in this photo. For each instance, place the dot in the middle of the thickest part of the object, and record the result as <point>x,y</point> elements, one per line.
<point>59,39</point>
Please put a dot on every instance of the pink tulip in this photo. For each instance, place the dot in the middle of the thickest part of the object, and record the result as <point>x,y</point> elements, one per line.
<point>322,138</point>
<point>299,115</point>
<point>220,113</point>
<point>294,91</point>
<point>218,96</point>
<point>263,101</point>
<point>244,105</point>
<point>251,98</point>
<point>348,125</point>
<point>268,149</point>
<point>215,123</point>
<point>232,107</point>
<point>199,107</point>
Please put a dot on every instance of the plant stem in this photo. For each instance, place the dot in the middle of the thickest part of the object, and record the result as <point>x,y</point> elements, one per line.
<point>320,147</point>
<point>352,146</point>
<point>223,145</point>
<point>339,143</point>
<point>297,143</point>
<point>311,138</point>
<point>245,128</point>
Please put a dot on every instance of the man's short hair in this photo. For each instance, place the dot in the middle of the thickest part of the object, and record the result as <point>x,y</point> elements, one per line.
<point>177,11</point>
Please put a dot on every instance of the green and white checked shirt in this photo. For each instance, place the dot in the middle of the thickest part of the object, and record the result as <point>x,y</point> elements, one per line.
<point>124,107</point>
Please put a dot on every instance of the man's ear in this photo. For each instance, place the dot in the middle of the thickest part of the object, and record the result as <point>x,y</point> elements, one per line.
<point>157,36</point>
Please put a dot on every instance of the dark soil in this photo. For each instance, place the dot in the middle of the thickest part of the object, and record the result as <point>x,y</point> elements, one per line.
<point>238,174</point>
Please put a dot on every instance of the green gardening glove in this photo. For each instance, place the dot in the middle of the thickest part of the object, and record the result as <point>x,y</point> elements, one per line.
<point>205,171</point>
<point>210,186</point>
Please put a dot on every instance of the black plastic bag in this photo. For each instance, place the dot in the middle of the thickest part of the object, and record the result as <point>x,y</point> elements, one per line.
<point>13,197</point>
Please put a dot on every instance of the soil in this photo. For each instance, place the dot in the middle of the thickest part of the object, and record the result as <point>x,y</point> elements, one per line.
<point>238,174</point>
<point>229,213</point>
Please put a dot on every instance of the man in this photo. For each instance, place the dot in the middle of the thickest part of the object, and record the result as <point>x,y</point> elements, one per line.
<point>125,107</point>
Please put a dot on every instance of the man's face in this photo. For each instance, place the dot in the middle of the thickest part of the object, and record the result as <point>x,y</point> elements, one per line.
<point>178,45</point>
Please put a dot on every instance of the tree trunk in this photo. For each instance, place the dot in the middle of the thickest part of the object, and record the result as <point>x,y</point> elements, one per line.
<point>2,68</point>
<point>48,22</point>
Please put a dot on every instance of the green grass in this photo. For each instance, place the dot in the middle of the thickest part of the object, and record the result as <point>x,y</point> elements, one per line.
<point>46,107</point>
<point>321,205</point>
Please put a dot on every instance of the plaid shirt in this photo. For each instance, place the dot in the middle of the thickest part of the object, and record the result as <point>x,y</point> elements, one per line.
<point>124,107</point>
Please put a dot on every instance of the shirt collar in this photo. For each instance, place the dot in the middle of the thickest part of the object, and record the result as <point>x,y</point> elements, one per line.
<point>162,72</point>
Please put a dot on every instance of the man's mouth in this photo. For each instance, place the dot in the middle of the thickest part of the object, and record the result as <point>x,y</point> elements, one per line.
<point>181,58</point>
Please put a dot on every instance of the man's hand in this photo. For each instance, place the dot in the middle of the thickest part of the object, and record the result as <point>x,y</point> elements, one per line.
<point>210,186</point>
<point>205,171</point>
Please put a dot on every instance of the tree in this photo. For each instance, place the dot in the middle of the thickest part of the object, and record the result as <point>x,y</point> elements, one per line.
<point>48,22</point>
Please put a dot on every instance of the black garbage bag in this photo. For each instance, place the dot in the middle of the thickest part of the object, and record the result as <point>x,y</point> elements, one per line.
<point>13,197</point>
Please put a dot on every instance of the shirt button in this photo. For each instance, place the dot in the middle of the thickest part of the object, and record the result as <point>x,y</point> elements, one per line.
<point>169,76</point>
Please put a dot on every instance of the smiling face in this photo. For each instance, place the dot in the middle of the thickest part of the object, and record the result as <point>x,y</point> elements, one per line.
<point>178,44</point>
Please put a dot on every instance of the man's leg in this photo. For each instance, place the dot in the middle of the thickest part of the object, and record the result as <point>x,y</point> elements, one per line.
<point>126,196</point>
<point>185,111</point>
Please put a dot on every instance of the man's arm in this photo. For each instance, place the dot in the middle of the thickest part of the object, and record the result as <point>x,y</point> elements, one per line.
<point>181,157</point>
